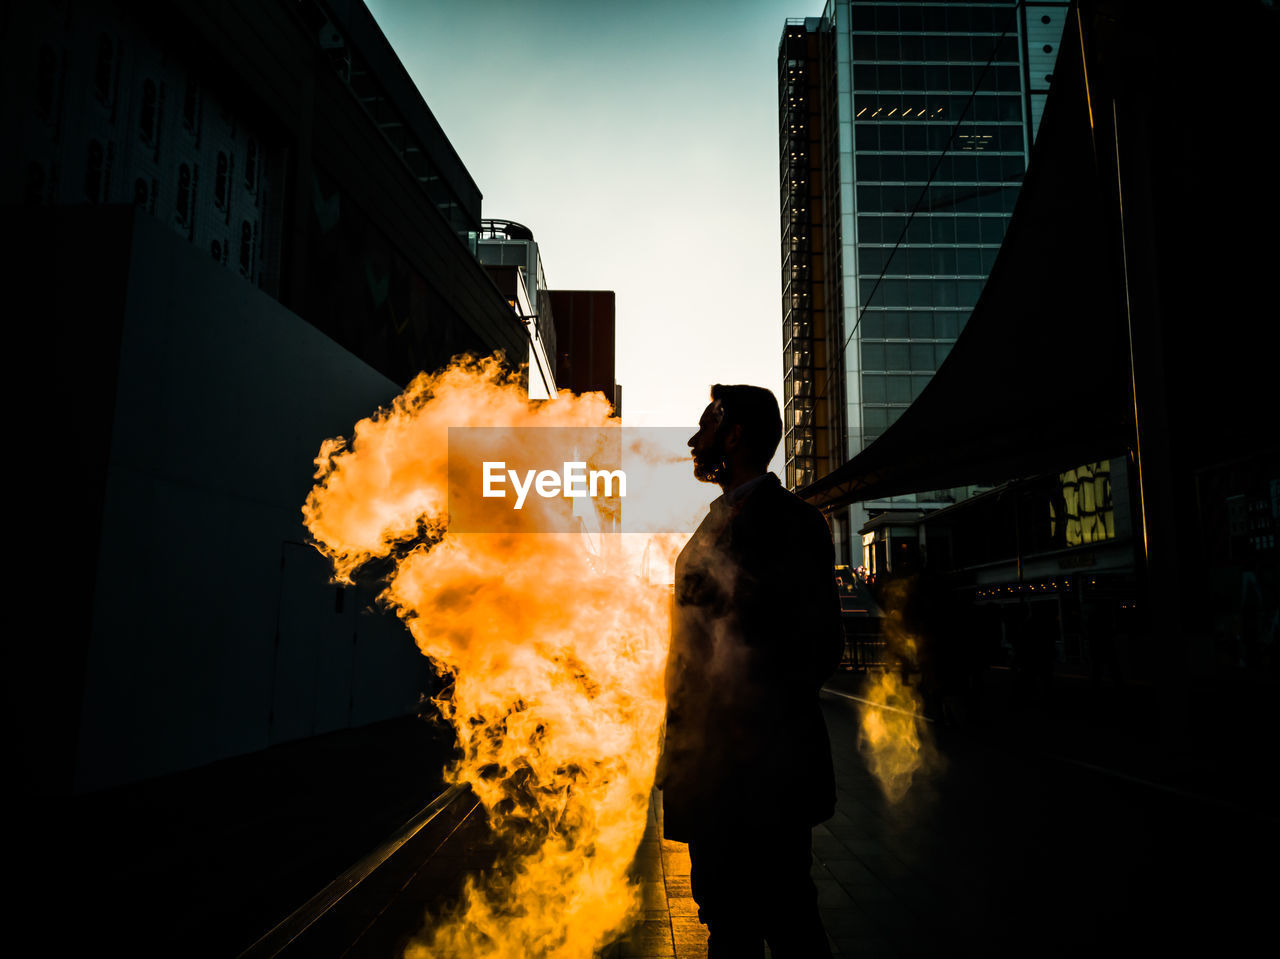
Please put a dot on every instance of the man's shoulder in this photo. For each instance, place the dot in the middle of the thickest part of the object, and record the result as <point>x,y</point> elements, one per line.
<point>774,499</point>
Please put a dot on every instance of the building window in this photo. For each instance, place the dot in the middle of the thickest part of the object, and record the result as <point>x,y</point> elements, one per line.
<point>222,174</point>
<point>898,389</point>
<point>251,165</point>
<point>191,106</point>
<point>183,202</point>
<point>147,112</point>
<point>246,247</point>
<point>895,325</point>
<point>46,80</point>
<point>35,183</point>
<point>922,357</point>
<point>104,68</point>
<point>93,172</point>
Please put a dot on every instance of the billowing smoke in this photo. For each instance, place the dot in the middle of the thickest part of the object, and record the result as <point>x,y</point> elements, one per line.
<point>551,650</point>
<point>895,739</point>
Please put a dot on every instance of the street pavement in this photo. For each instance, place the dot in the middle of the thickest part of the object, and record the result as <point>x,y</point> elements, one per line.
<point>1095,821</point>
<point>1008,846</point>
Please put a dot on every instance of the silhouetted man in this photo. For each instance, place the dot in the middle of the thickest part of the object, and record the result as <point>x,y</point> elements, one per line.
<point>746,767</point>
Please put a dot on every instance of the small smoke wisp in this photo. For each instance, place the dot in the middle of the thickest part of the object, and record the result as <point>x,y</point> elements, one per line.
<point>552,650</point>
<point>894,736</point>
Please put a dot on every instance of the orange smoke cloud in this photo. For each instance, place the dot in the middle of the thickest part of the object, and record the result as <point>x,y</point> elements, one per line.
<point>554,648</point>
<point>893,737</point>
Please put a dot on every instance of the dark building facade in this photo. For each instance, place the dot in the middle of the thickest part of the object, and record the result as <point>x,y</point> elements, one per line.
<point>284,140</point>
<point>1137,472</point>
<point>586,337</point>
<point>245,231</point>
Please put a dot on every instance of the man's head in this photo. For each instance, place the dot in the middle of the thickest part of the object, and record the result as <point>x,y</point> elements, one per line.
<point>738,433</point>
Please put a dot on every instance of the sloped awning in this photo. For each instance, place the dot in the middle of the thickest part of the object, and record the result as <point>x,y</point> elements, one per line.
<point>1038,380</point>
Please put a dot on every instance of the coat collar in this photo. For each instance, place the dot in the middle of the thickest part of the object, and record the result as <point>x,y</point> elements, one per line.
<point>726,502</point>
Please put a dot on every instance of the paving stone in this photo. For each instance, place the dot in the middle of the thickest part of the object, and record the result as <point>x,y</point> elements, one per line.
<point>846,922</point>
<point>682,905</point>
<point>679,886</point>
<point>830,894</point>
<point>650,938</point>
<point>828,848</point>
<point>653,896</point>
<point>690,938</point>
<point>676,862</point>
<point>850,870</point>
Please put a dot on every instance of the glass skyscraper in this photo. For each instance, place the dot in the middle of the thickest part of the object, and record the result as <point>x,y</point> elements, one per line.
<point>905,129</point>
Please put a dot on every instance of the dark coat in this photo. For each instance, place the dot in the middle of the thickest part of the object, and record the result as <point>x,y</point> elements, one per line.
<point>755,632</point>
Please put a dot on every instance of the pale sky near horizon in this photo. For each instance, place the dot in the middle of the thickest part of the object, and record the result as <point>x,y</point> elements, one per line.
<point>639,142</point>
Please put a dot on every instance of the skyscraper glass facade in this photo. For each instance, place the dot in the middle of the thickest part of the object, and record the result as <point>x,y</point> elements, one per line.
<point>924,125</point>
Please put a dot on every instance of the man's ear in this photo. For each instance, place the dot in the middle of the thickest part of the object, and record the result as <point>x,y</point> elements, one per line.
<point>733,437</point>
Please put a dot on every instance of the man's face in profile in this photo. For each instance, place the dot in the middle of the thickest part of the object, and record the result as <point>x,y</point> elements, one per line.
<point>707,444</point>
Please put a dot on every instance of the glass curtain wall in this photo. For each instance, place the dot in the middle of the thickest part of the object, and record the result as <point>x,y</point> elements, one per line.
<point>938,152</point>
<point>928,140</point>
<point>916,149</point>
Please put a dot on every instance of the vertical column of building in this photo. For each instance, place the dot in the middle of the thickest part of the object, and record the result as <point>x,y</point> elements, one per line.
<point>838,259</point>
<point>806,380</point>
<point>839,262</point>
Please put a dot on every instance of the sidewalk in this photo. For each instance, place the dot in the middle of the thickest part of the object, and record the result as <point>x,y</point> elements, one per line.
<point>670,927</point>
<point>854,870</point>
<point>1070,828</point>
<point>1001,849</point>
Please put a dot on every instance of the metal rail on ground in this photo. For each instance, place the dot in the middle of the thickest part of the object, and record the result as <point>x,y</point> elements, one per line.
<point>1091,767</point>
<point>278,938</point>
<point>885,706</point>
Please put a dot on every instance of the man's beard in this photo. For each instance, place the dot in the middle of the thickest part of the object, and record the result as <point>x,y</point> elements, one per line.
<point>709,466</point>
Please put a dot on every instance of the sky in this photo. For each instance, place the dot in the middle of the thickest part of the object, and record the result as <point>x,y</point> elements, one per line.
<point>639,142</point>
